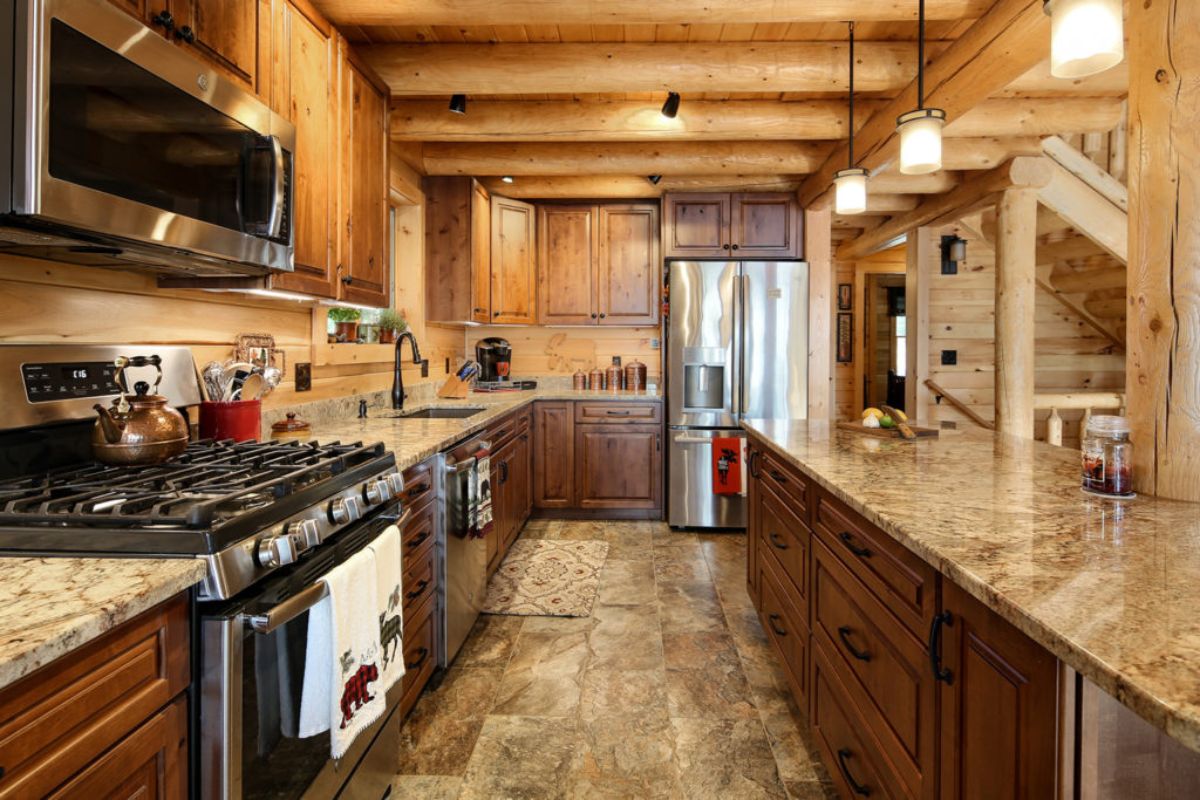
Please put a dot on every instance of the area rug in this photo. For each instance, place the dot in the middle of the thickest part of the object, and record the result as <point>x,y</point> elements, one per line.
<point>549,578</point>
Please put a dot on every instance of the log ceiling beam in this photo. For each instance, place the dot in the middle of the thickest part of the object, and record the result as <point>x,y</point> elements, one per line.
<point>565,120</point>
<point>632,12</point>
<point>1087,211</point>
<point>1001,46</point>
<point>679,158</point>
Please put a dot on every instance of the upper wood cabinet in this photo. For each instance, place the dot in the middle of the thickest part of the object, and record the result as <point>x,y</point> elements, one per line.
<point>304,90</point>
<point>598,264</point>
<point>719,225</point>
<point>458,247</point>
<point>363,266</point>
<point>514,273</point>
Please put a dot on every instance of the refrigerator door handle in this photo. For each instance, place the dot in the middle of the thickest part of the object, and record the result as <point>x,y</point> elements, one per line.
<point>744,291</point>
<point>735,347</point>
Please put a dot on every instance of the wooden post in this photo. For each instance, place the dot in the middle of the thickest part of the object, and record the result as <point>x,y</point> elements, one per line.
<point>818,252</point>
<point>1162,362</point>
<point>919,253</point>
<point>1016,262</point>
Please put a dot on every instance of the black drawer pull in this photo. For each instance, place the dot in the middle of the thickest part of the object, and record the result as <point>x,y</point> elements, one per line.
<point>417,592</point>
<point>777,541</point>
<point>424,651</point>
<point>858,788</point>
<point>844,632</point>
<point>417,490</point>
<point>617,413</point>
<point>754,455</point>
<point>415,543</point>
<point>777,475</point>
<point>848,540</point>
<point>771,621</point>
<point>935,647</point>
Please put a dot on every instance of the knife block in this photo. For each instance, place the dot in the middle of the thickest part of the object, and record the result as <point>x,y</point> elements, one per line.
<point>454,388</point>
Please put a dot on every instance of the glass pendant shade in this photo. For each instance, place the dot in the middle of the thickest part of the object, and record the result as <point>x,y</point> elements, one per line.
<point>921,141</point>
<point>850,186</point>
<point>1086,36</point>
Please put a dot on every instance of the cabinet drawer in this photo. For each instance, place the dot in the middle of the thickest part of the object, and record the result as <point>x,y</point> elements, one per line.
<point>785,481</point>
<point>420,654</point>
<point>418,534</point>
<point>901,580</point>
<point>884,668</point>
<point>418,484</point>
<point>786,539</point>
<point>617,413</point>
<point>59,719</point>
<point>501,432</point>
<point>420,581</point>
<point>786,627</point>
<point>851,762</point>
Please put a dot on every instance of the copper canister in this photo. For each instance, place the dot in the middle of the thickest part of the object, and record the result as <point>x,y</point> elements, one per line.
<point>596,379</point>
<point>579,380</point>
<point>614,376</point>
<point>635,376</point>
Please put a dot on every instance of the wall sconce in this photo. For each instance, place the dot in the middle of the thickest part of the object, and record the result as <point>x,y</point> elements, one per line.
<point>954,250</point>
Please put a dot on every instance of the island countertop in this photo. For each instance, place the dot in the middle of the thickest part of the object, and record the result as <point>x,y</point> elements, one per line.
<point>1111,588</point>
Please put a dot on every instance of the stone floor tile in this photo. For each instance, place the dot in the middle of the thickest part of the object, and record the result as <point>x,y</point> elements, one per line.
<point>729,759</point>
<point>628,756</point>
<point>699,650</point>
<point>689,607</point>
<point>623,692</point>
<point>427,787</point>
<point>524,758</point>
<point>626,637</point>
<point>490,643</point>
<point>439,735</point>
<point>680,570</point>
<point>627,583</point>
<point>545,675</point>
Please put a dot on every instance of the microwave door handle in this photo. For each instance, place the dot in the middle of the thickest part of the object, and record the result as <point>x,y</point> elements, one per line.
<point>288,610</point>
<point>275,222</point>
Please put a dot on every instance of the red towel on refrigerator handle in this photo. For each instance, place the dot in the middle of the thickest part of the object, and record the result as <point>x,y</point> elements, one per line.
<point>727,464</point>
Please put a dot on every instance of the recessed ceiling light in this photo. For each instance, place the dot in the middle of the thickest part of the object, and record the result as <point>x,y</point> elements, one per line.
<point>671,107</point>
<point>458,103</point>
<point>507,178</point>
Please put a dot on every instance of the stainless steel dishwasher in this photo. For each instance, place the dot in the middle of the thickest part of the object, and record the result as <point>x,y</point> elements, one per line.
<point>464,577</point>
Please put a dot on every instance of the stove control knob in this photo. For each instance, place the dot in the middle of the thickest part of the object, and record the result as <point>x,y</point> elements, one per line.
<point>266,553</point>
<point>376,492</point>
<point>395,482</point>
<point>345,509</point>
<point>307,533</point>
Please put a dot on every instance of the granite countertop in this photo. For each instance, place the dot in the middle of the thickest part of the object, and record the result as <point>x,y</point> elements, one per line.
<point>1111,588</point>
<point>414,440</point>
<point>50,606</point>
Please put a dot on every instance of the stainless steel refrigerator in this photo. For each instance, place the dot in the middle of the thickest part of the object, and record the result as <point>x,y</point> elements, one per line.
<point>737,348</point>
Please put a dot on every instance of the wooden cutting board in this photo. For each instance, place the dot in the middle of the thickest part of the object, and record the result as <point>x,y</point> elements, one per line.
<point>886,433</point>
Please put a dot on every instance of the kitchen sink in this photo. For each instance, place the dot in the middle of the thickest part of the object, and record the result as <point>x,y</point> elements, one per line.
<point>456,412</point>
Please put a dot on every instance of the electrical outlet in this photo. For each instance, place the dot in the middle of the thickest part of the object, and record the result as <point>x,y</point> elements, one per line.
<point>949,357</point>
<point>304,377</point>
<point>655,344</point>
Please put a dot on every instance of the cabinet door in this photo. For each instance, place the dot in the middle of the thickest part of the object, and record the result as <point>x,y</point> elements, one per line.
<point>628,270</point>
<point>481,254</point>
<point>144,10</point>
<point>765,225</point>
<point>496,539</point>
<point>999,710</point>
<point>753,522</point>
<point>554,455</point>
<point>364,266</point>
<point>697,225</point>
<point>226,33</point>
<point>618,466</point>
<point>303,89</point>
<point>513,273</point>
<point>523,479</point>
<point>567,257</point>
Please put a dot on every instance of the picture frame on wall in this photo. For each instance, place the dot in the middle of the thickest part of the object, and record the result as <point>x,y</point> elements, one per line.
<point>845,338</point>
<point>844,296</point>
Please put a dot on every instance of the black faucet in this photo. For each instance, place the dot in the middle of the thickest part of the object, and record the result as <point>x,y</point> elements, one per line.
<point>397,375</point>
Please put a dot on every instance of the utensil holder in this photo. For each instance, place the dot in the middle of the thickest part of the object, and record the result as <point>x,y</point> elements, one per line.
<point>240,420</point>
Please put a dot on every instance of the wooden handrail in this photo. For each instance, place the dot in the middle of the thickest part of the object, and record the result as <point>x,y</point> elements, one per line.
<point>1074,401</point>
<point>967,411</point>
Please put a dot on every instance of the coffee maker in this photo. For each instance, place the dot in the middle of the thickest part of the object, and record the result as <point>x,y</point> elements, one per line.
<point>495,358</point>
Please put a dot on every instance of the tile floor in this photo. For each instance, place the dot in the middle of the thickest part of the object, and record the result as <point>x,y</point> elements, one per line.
<point>670,689</point>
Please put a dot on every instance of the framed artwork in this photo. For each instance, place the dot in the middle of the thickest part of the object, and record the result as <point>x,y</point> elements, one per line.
<point>845,293</point>
<point>845,338</point>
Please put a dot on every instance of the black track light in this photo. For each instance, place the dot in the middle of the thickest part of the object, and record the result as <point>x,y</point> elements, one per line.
<point>671,107</point>
<point>458,103</point>
<point>654,179</point>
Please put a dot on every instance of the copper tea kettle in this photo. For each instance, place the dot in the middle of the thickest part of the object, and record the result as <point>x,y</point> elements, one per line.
<point>139,429</point>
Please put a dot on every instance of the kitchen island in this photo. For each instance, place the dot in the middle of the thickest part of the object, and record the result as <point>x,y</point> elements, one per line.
<point>1111,589</point>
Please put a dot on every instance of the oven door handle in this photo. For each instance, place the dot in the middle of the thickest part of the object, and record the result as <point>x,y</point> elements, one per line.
<point>288,610</point>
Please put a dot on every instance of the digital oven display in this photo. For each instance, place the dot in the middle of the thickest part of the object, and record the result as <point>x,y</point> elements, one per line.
<point>47,382</point>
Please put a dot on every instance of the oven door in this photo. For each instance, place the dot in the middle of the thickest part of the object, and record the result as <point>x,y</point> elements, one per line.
<point>252,661</point>
<point>121,135</point>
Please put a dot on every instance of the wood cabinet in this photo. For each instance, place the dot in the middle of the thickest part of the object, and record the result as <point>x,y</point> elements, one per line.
<point>514,272</point>
<point>618,466</point>
<point>720,225</point>
<point>554,454</point>
<point>364,272</point>
<point>458,247</point>
<point>418,558</point>
<point>998,705</point>
<point>304,90</point>
<point>598,264</point>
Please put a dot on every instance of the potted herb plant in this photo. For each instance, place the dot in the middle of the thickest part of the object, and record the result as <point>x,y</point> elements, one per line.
<point>391,324</point>
<point>346,320</point>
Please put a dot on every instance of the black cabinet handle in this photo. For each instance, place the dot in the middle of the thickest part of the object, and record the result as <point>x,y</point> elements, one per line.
<point>593,316</point>
<point>777,541</point>
<point>935,647</point>
<point>504,472</point>
<point>725,247</point>
<point>612,413</point>
<point>415,543</point>
<point>735,247</point>
<point>848,540</point>
<point>844,633</point>
<point>417,592</point>
<point>495,313</point>
<point>777,475</point>
<point>771,621</point>
<point>603,315</point>
<point>416,491</point>
<point>424,651</point>
<point>859,789</point>
<point>186,34</point>
<point>754,463</point>
<point>164,19</point>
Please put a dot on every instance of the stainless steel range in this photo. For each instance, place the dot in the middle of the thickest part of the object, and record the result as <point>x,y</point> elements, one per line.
<point>269,519</point>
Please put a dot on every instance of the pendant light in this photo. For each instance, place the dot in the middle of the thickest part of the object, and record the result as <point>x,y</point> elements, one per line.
<point>1086,36</point>
<point>921,130</point>
<point>850,184</point>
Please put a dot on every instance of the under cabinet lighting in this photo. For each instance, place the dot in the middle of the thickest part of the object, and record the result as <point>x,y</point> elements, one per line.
<point>671,106</point>
<point>1086,36</point>
<point>458,103</point>
<point>921,129</point>
<point>344,304</point>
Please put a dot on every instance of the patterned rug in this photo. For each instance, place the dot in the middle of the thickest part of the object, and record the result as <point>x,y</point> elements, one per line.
<point>549,578</point>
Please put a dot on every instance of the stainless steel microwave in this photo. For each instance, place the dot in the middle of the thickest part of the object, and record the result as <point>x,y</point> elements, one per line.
<point>118,148</point>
